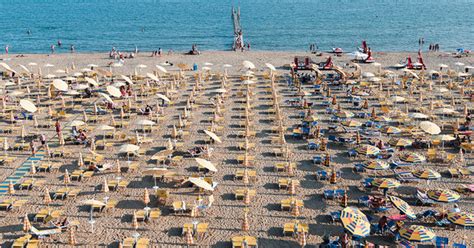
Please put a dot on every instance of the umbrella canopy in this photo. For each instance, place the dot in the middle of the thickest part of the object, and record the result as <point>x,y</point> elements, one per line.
<point>113,91</point>
<point>344,114</point>
<point>206,164</point>
<point>382,119</point>
<point>426,174</point>
<point>412,157</point>
<point>430,127</point>
<point>368,150</point>
<point>145,122</point>
<point>418,116</point>
<point>152,77</point>
<point>377,165</point>
<point>368,74</point>
<point>462,219</point>
<point>106,97</point>
<point>77,123</point>
<point>444,137</point>
<point>126,79</point>
<point>104,128</point>
<point>385,183</point>
<point>400,142</point>
<point>201,183</point>
<point>161,68</point>
<point>417,233</point>
<point>126,148</point>
<point>443,195</point>
<point>60,85</point>
<point>91,81</point>
<point>28,106</point>
<point>93,202</point>
<point>445,111</point>
<point>270,66</point>
<point>352,123</point>
<point>163,97</point>
<point>402,206</point>
<point>213,136</point>
<point>391,130</point>
<point>248,65</point>
<point>355,222</point>
<point>398,99</point>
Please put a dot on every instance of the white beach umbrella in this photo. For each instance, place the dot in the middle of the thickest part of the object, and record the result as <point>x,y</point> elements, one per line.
<point>430,127</point>
<point>270,66</point>
<point>28,106</point>
<point>165,98</point>
<point>248,65</point>
<point>91,81</point>
<point>153,77</point>
<point>60,85</point>
<point>126,148</point>
<point>127,79</point>
<point>161,68</point>
<point>113,91</point>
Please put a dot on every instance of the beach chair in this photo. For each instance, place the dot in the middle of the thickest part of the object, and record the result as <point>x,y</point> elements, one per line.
<point>459,245</point>
<point>73,193</point>
<point>335,216</point>
<point>406,177</point>
<point>21,242</point>
<point>111,204</point>
<point>423,199</point>
<point>128,243</point>
<point>154,214</point>
<point>201,229</point>
<point>237,242</point>
<point>289,229</point>
<point>441,242</point>
<point>453,173</point>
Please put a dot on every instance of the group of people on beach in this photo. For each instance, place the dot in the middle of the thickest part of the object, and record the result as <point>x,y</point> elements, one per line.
<point>434,47</point>
<point>116,54</point>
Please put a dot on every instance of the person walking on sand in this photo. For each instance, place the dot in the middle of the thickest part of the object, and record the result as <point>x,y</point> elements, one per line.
<point>33,147</point>
<point>57,125</point>
<point>42,139</point>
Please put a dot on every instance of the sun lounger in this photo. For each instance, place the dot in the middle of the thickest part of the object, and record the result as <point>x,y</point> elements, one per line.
<point>21,242</point>
<point>423,199</point>
<point>142,243</point>
<point>406,177</point>
<point>335,216</point>
<point>333,194</point>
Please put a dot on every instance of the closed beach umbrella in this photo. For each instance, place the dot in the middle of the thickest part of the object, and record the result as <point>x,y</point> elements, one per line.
<point>146,197</point>
<point>385,183</point>
<point>245,223</point>
<point>352,123</point>
<point>145,122</point>
<point>47,197</point>
<point>430,127</point>
<point>462,219</point>
<point>302,239</point>
<point>189,237</point>
<point>28,106</point>
<point>355,222</point>
<point>443,195</point>
<point>134,221</point>
<point>377,165</point>
<point>72,236</point>
<point>412,157</point>
<point>427,174</point>
<point>417,233</point>
<point>26,224</point>
<point>402,206</point>
<point>127,79</point>
<point>213,136</point>
<point>105,186</point>
<point>66,179</point>
<point>201,183</point>
<point>206,164</point>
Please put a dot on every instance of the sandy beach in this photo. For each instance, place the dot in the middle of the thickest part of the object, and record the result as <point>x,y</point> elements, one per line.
<point>266,219</point>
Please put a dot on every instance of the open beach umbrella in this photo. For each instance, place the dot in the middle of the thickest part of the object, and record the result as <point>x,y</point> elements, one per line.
<point>152,76</point>
<point>106,97</point>
<point>158,172</point>
<point>355,222</point>
<point>248,65</point>
<point>430,127</point>
<point>367,150</point>
<point>77,123</point>
<point>412,157</point>
<point>426,174</point>
<point>60,85</point>
<point>400,142</point>
<point>417,233</point>
<point>145,122</point>
<point>462,219</point>
<point>104,128</point>
<point>28,106</point>
<point>163,97</point>
<point>126,79</point>
<point>382,118</point>
<point>113,91</point>
<point>352,123</point>
<point>418,116</point>
<point>270,66</point>
<point>91,81</point>
<point>201,183</point>
<point>376,165</point>
<point>344,114</point>
<point>206,164</point>
<point>443,195</point>
<point>398,99</point>
<point>402,206</point>
<point>161,68</point>
<point>385,183</point>
<point>213,136</point>
<point>93,202</point>
<point>391,130</point>
<point>126,148</point>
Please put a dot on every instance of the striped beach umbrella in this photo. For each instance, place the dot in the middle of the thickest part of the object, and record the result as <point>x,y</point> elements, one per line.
<point>376,165</point>
<point>417,233</point>
<point>146,197</point>
<point>427,174</point>
<point>47,197</point>
<point>26,223</point>
<point>302,239</point>
<point>462,219</point>
<point>355,222</point>
<point>247,197</point>
<point>134,221</point>
<point>382,119</point>
<point>412,157</point>
<point>344,114</point>
<point>385,183</point>
<point>189,237</point>
<point>245,223</point>
<point>66,179</point>
<point>368,150</point>
<point>402,206</point>
<point>105,186</point>
<point>11,188</point>
<point>352,123</point>
<point>400,142</point>
<point>443,195</point>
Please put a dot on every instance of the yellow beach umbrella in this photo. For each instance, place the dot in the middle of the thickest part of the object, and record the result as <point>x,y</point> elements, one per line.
<point>355,222</point>
<point>462,219</point>
<point>443,195</point>
<point>402,206</point>
<point>417,233</point>
<point>385,183</point>
<point>377,165</point>
<point>426,174</point>
<point>368,150</point>
<point>400,142</point>
<point>412,157</point>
